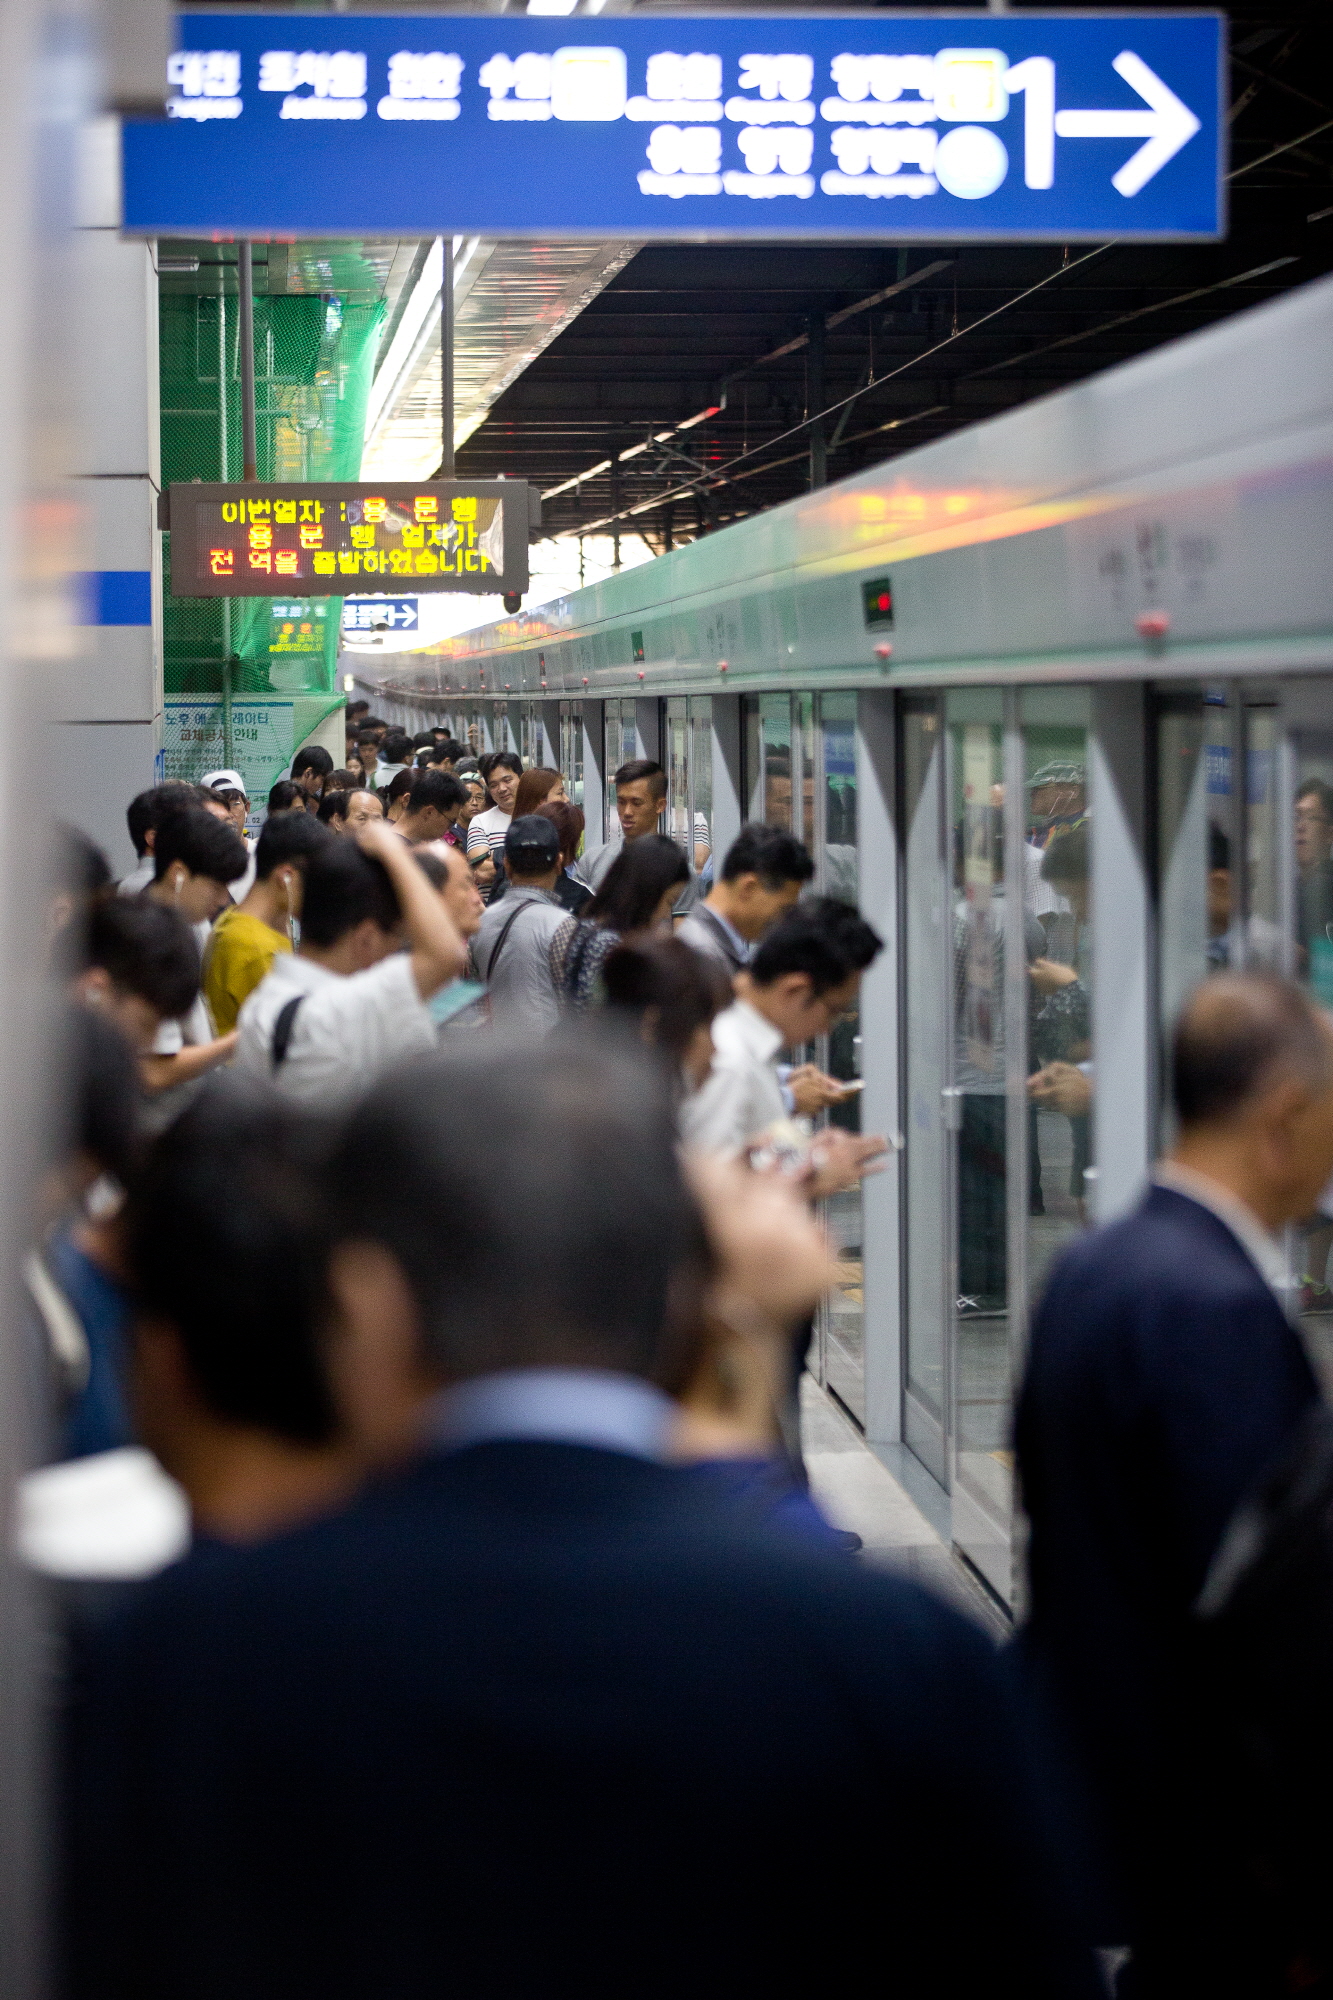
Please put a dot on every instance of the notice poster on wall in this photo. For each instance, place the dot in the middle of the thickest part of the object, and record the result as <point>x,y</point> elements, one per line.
<point>265,732</point>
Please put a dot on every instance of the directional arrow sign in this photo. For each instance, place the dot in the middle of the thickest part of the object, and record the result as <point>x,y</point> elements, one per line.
<point>1167,125</point>
<point>367,614</point>
<point>630,126</point>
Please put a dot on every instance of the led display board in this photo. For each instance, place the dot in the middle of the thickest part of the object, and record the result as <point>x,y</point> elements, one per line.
<point>1019,126</point>
<point>322,539</point>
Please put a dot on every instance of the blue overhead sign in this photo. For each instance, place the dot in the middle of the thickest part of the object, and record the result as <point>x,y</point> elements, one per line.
<point>376,614</point>
<point>963,127</point>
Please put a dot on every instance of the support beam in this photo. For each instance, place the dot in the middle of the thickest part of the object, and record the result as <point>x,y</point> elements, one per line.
<point>447,360</point>
<point>814,400</point>
<point>246,287</point>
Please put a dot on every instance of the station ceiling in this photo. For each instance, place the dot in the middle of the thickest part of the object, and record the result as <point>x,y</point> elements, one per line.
<point>922,340</point>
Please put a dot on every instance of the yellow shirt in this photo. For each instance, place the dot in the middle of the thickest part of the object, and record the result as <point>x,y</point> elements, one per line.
<point>240,953</point>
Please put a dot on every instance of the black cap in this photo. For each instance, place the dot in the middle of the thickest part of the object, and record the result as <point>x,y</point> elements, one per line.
<point>532,844</point>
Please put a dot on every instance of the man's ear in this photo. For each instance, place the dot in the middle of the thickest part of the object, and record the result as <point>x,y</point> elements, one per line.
<point>93,986</point>
<point>375,1366</point>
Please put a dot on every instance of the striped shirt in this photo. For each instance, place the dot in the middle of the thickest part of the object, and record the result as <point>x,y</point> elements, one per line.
<point>488,829</point>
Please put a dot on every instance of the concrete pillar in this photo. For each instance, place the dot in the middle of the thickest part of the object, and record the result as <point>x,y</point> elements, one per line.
<point>106,702</point>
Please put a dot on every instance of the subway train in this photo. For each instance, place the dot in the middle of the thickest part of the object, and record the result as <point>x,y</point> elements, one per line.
<point>1052,699</point>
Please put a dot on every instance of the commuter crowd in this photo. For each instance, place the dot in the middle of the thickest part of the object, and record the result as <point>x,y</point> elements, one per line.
<point>435,1201</point>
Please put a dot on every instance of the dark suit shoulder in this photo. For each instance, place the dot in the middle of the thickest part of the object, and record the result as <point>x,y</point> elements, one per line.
<point>533,1527</point>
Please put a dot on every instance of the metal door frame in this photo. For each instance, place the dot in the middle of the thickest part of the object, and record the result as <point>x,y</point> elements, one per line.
<point>922,1420</point>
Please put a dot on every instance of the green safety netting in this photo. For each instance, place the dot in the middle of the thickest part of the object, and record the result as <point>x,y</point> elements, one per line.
<point>314,361</point>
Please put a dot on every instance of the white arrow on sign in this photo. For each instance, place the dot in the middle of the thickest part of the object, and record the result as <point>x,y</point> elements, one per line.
<point>1167,125</point>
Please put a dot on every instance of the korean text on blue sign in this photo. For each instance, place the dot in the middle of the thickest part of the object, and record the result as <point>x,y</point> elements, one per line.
<point>950,128</point>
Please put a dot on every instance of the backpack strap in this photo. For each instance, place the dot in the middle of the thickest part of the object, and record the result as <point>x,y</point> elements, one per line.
<point>500,942</point>
<point>282,1030</point>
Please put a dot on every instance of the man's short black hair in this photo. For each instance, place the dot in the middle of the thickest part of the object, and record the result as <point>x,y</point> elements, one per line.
<point>590,1223</point>
<point>206,845</point>
<point>233,1188</point>
<point>141,815</point>
<point>332,806</point>
<point>774,856</point>
<point>822,937</point>
<point>284,795</point>
<point>1066,858</point>
<point>368,738</point>
<point>501,760</point>
<point>532,846</point>
<point>290,837</point>
<point>423,739</point>
<point>343,887</point>
<point>1315,788</point>
<point>435,870</point>
<point>1219,849</point>
<point>396,747</point>
<point>358,707</point>
<point>438,789</point>
<point>96,1102</point>
<point>143,948</point>
<point>640,770</point>
<point>77,865</point>
<point>313,758</point>
<point>1236,1033</point>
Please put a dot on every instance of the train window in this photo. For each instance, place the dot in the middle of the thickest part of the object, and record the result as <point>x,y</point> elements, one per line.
<point>1058,931</point>
<point>676,726</point>
<point>832,831</point>
<point>701,784</point>
<point>571,749</point>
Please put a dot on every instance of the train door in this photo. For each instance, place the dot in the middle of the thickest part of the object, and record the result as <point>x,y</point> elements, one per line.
<point>999,1076</point>
<point>832,823</point>
<point>1245,878</point>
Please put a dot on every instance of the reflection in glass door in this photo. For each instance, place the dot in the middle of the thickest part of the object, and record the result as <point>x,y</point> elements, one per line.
<point>831,828</point>
<point>927,987</point>
<point>999,1070</point>
<point>1303,798</point>
<point>1057,926</point>
<point>978,1087</point>
<point>688,735</point>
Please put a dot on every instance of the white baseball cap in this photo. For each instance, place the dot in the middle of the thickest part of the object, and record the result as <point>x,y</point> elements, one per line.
<point>233,778</point>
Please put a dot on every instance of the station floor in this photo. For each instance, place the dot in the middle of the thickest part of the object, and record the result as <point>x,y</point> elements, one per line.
<point>857,1491</point>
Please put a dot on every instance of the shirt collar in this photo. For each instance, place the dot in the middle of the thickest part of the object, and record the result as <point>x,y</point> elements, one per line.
<point>521,891</point>
<point>302,972</point>
<point>587,1406</point>
<point>757,1031</point>
<point>730,932</point>
<point>1264,1251</point>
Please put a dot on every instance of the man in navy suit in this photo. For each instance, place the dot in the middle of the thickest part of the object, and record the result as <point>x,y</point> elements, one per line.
<point>1163,1378</point>
<point>535,1716</point>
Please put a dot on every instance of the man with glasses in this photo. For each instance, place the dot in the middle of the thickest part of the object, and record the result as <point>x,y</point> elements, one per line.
<point>805,975</point>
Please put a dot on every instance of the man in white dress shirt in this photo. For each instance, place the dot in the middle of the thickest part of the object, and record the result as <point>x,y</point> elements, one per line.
<point>804,976</point>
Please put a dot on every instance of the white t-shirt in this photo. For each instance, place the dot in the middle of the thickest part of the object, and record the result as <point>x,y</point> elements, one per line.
<point>347,1030</point>
<point>195,1028</point>
<point>138,879</point>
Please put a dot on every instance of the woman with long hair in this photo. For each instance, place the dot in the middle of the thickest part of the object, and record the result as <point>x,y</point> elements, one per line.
<point>668,996</point>
<point>642,884</point>
<point>535,788</point>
